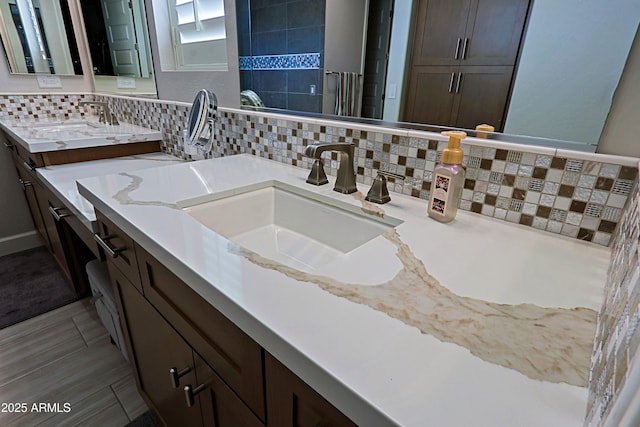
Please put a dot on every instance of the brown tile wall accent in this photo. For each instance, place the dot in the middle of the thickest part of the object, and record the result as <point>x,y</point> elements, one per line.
<point>572,197</point>
<point>617,338</point>
<point>35,107</point>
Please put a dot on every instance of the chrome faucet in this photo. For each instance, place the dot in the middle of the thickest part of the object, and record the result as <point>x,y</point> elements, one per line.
<point>105,115</point>
<point>346,180</point>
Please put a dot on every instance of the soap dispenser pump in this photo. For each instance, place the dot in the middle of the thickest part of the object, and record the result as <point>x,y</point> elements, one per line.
<point>448,180</point>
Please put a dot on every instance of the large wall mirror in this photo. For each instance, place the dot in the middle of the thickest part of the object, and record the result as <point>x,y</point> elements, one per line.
<point>38,37</point>
<point>118,40</point>
<point>563,72</point>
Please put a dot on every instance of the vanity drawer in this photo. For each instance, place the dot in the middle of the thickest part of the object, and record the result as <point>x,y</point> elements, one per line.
<point>118,248</point>
<point>233,355</point>
<point>30,160</point>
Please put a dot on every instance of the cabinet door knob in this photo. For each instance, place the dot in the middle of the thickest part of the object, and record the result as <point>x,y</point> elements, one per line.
<point>190,393</point>
<point>175,375</point>
<point>8,145</point>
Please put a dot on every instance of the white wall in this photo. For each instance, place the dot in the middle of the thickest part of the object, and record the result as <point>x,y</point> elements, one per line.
<point>572,58</point>
<point>621,134</point>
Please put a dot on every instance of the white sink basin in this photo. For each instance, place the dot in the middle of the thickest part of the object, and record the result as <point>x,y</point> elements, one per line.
<point>74,129</point>
<point>288,224</point>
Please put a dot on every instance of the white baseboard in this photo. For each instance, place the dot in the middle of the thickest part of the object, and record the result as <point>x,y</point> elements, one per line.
<point>19,242</point>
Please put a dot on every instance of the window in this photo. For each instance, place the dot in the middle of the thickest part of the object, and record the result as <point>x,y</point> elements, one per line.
<point>198,34</point>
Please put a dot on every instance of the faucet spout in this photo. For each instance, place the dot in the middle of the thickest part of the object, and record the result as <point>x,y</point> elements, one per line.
<point>346,180</point>
<point>105,114</point>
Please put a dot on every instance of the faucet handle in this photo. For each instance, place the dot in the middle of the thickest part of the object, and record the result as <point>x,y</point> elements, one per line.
<point>378,193</point>
<point>317,176</point>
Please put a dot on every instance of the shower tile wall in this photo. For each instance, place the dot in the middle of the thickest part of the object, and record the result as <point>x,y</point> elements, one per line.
<point>276,32</point>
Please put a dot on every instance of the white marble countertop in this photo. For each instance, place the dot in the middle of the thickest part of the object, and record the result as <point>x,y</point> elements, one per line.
<point>477,322</point>
<point>61,179</point>
<point>54,135</point>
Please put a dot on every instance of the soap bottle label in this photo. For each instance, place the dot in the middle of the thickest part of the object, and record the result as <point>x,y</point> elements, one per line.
<point>440,194</point>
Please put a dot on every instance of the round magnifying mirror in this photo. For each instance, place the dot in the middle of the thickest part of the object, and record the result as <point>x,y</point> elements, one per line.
<point>203,112</point>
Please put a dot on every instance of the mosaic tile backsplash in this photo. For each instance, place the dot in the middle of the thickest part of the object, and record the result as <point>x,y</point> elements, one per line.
<point>578,198</point>
<point>588,197</point>
<point>617,339</point>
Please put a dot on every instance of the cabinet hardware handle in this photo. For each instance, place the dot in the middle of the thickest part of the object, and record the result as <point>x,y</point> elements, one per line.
<point>8,145</point>
<point>464,48</point>
<point>190,393</point>
<point>102,241</point>
<point>175,375</point>
<point>457,49</point>
<point>55,212</point>
<point>453,78</point>
<point>458,82</point>
<point>25,184</point>
<point>31,165</point>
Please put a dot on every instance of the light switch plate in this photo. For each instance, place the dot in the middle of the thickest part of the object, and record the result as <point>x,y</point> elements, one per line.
<point>126,83</point>
<point>48,82</point>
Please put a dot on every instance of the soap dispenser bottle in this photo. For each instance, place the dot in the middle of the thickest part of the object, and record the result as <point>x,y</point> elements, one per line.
<point>448,180</point>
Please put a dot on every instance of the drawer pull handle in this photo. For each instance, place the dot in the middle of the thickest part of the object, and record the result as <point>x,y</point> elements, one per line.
<point>56,214</point>
<point>102,241</point>
<point>31,165</point>
<point>175,376</point>
<point>8,145</point>
<point>190,394</point>
<point>457,55</point>
<point>25,184</point>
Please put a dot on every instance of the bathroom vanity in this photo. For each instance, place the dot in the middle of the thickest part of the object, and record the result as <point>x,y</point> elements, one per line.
<point>39,144</point>
<point>244,318</point>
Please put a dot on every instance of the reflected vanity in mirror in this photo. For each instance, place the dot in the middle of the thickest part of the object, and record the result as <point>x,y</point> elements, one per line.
<point>202,118</point>
<point>565,70</point>
<point>38,37</point>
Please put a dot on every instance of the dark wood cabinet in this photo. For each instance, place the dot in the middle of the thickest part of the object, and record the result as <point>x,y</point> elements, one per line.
<point>225,347</point>
<point>292,403</point>
<point>463,59</point>
<point>156,349</point>
<point>69,241</point>
<point>27,183</point>
<point>459,96</point>
<point>231,379</point>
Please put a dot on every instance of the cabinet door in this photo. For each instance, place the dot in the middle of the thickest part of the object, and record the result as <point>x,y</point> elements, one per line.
<point>30,194</point>
<point>291,402</point>
<point>235,357</point>
<point>220,405</point>
<point>481,96</point>
<point>440,31</point>
<point>54,229</point>
<point>431,95</point>
<point>494,31</point>
<point>155,348</point>
<point>119,248</point>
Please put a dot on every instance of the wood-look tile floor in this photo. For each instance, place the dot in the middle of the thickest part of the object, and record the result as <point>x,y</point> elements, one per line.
<point>64,363</point>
